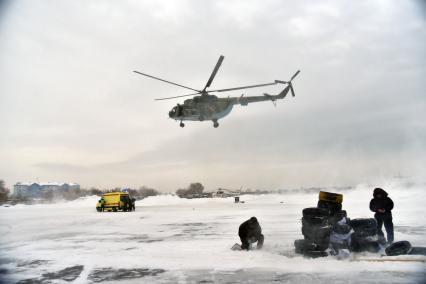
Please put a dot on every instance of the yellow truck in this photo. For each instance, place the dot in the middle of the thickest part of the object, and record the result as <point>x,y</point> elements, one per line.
<point>114,201</point>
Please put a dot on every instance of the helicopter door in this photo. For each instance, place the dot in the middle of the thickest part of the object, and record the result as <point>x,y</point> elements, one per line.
<point>179,110</point>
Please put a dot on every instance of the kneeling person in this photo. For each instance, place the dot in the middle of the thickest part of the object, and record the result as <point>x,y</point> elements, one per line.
<point>250,232</point>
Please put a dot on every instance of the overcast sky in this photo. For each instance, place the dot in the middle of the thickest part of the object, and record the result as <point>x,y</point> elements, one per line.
<point>72,110</point>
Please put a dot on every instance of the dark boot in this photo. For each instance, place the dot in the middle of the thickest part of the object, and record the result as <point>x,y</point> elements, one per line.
<point>260,242</point>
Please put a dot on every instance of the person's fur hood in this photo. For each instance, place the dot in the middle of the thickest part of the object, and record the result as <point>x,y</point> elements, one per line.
<point>378,191</point>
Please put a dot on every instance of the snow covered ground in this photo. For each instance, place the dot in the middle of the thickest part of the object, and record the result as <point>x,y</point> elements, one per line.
<point>172,240</point>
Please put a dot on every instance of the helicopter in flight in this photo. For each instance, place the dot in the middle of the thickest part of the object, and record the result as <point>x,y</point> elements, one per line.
<point>204,106</point>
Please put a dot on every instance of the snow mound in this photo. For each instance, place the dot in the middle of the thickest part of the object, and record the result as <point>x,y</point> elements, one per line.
<point>170,199</point>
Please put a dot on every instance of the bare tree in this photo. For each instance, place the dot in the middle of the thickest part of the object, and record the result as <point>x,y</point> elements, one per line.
<point>146,191</point>
<point>194,189</point>
<point>181,192</point>
<point>95,191</point>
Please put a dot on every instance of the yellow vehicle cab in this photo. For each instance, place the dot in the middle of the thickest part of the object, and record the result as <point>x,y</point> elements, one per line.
<point>114,201</point>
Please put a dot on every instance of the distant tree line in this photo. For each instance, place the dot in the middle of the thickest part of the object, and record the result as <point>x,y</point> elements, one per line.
<point>194,190</point>
<point>54,195</point>
<point>143,192</point>
<point>71,194</point>
<point>140,193</point>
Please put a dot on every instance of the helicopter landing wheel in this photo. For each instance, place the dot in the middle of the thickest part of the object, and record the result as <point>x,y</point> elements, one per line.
<point>215,124</point>
<point>182,124</point>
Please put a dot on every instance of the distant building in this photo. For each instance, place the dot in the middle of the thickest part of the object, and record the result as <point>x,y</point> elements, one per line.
<point>36,189</point>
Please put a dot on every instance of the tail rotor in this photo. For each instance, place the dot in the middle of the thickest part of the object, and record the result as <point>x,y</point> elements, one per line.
<point>289,82</point>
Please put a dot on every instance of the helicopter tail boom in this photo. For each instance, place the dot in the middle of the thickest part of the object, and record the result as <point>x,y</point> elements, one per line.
<point>242,100</point>
<point>284,92</point>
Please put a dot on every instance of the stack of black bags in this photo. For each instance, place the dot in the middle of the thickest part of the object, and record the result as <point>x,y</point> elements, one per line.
<point>333,203</point>
<point>318,223</point>
<point>338,219</point>
<point>316,232</point>
<point>328,219</point>
<point>327,230</point>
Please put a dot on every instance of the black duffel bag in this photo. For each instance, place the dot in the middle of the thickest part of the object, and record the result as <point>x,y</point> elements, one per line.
<point>303,246</point>
<point>317,234</point>
<point>342,229</point>
<point>361,245</point>
<point>315,212</point>
<point>315,254</point>
<point>337,216</point>
<point>332,206</point>
<point>398,248</point>
<point>364,232</point>
<point>362,223</point>
<point>314,221</point>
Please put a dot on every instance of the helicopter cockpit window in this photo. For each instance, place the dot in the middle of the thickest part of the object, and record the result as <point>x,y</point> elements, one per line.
<point>172,112</point>
<point>179,110</point>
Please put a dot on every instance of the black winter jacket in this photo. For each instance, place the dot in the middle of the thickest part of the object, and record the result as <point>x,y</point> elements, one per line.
<point>250,229</point>
<point>384,202</point>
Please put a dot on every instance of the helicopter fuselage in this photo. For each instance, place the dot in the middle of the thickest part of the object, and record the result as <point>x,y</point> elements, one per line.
<point>210,107</point>
<point>200,108</point>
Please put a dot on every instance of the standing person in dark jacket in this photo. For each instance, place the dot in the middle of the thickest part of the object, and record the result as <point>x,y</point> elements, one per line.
<point>102,202</point>
<point>250,232</point>
<point>382,205</point>
<point>133,200</point>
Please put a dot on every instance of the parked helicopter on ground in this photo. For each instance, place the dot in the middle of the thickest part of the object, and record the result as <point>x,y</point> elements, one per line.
<point>204,106</point>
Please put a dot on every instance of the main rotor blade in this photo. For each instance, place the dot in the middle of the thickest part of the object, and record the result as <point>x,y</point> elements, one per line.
<point>156,78</point>
<point>245,87</point>
<point>292,91</point>
<point>168,98</point>
<point>216,68</point>
<point>281,82</point>
<point>295,74</point>
<point>221,90</point>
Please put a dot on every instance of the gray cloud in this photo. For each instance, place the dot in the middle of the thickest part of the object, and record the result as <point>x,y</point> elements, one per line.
<point>70,105</point>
